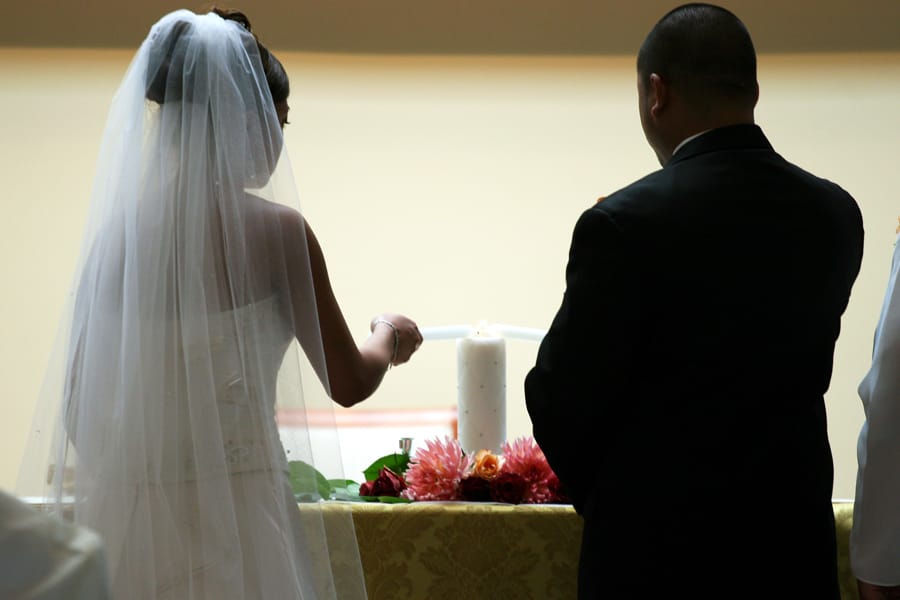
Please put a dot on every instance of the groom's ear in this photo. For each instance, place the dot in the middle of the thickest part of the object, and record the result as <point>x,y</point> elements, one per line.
<point>657,95</point>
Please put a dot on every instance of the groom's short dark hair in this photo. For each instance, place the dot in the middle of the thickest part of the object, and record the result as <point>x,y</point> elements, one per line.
<point>705,52</point>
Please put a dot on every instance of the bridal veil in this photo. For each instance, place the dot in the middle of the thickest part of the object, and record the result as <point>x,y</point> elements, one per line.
<point>157,421</point>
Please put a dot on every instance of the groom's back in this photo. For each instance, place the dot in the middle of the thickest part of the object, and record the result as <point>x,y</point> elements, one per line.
<point>741,266</point>
<point>744,266</point>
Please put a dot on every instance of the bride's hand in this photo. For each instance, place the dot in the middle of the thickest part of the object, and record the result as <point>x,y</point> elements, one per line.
<point>407,334</point>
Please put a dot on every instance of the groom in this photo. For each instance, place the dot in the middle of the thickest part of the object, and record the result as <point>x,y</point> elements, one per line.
<point>679,391</point>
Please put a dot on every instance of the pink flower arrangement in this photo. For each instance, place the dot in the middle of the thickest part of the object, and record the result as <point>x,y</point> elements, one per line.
<point>526,459</point>
<point>440,470</point>
<point>436,470</point>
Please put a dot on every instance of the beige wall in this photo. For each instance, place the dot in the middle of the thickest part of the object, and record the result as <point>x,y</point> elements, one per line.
<point>443,187</point>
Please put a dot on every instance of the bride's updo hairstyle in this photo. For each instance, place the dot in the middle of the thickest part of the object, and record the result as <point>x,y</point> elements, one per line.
<point>165,69</point>
<point>166,64</point>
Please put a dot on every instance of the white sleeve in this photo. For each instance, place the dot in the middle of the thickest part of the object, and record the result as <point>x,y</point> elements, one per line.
<point>875,538</point>
<point>43,558</point>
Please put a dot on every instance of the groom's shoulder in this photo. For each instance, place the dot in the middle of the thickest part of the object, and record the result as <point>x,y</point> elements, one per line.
<point>636,197</point>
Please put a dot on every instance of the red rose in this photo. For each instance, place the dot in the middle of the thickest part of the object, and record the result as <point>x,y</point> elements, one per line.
<point>475,489</point>
<point>509,488</point>
<point>387,484</point>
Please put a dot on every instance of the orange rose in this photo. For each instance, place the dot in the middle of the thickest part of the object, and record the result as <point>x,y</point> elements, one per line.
<point>487,465</point>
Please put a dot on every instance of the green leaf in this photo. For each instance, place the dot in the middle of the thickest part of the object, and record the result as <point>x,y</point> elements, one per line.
<point>393,500</point>
<point>383,499</point>
<point>348,492</point>
<point>341,483</point>
<point>307,483</point>
<point>398,463</point>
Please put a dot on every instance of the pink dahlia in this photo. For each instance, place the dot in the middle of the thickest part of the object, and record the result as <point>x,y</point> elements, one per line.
<point>436,470</point>
<point>558,493</point>
<point>526,459</point>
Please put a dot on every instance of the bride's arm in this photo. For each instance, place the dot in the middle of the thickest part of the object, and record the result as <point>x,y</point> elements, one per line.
<point>353,373</point>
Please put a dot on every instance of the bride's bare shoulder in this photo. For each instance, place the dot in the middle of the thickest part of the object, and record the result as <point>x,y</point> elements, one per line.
<point>289,219</point>
<point>293,225</point>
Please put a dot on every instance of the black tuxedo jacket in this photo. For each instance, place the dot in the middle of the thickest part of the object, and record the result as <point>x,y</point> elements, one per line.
<point>678,393</point>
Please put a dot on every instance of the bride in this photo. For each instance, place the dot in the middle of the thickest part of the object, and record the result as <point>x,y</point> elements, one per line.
<point>199,277</point>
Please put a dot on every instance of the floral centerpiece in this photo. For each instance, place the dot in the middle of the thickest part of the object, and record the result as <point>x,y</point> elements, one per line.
<point>440,470</point>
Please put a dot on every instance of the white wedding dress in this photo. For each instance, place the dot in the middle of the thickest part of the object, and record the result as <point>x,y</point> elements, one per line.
<point>157,423</point>
<point>184,505</point>
<point>215,516</point>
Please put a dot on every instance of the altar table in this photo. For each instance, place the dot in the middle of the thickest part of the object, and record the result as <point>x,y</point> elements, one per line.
<point>469,551</point>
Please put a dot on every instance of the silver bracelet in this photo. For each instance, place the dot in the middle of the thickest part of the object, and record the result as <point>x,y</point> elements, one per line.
<point>396,338</point>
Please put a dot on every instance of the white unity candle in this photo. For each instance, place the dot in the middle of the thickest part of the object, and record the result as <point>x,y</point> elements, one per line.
<point>481,385</point>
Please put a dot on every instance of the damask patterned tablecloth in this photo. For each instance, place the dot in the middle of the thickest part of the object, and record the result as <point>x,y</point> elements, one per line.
<point>469,551</point>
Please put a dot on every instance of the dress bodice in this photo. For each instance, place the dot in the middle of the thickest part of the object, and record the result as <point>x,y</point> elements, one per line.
<point>230,375</point>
